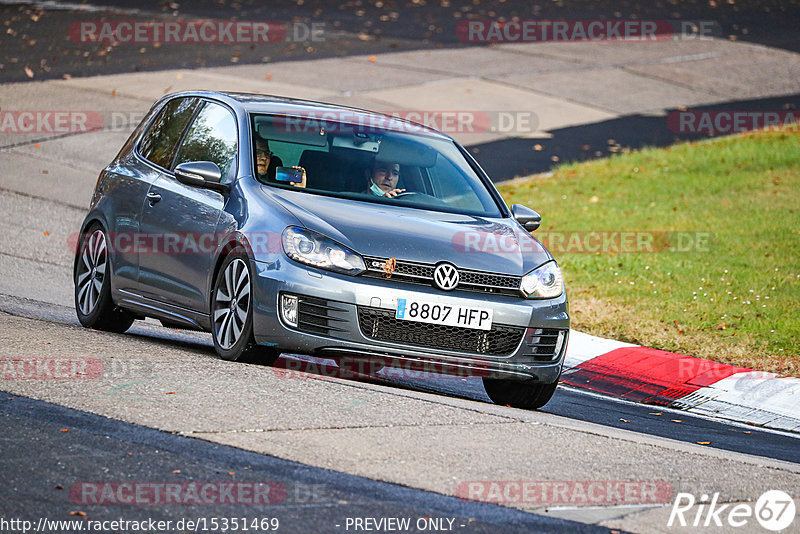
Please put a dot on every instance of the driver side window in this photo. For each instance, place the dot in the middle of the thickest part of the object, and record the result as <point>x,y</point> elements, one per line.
<point>212,137</point>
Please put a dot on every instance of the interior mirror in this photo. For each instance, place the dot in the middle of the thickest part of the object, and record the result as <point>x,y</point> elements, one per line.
<point>527,217</point>
<point>200,174</point>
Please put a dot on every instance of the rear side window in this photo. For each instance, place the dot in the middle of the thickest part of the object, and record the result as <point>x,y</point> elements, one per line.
<point>162,137</point>
<point>212,137</point>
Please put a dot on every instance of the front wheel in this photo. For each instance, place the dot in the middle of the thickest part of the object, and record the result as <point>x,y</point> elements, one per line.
<point>93,303</point>
<point>519,394</point>
<point>232,313</point>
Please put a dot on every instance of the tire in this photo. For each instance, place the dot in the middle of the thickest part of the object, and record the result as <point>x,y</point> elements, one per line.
<point>232,313</point>
<point>92,278</point>
<point>519,394</point>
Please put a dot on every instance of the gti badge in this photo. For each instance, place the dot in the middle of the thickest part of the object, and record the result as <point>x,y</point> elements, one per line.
<point>445,276</point>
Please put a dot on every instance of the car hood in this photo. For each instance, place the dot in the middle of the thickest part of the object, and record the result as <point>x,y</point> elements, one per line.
<point>487,244</point>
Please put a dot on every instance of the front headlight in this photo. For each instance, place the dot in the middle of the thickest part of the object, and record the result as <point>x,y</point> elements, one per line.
<point>312,248</point>
<point>545,282</point>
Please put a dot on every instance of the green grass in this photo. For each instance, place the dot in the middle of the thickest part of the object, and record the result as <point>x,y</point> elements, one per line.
<point>738,301</point>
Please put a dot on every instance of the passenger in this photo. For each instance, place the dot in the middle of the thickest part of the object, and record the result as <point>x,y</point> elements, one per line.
<point>266,161</point>
<point>382,179</point>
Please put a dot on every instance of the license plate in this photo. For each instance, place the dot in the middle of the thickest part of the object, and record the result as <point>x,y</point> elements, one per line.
<point>437,313</point>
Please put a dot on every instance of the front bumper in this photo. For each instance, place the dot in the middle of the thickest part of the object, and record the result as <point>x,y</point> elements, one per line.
<point>349,300</point>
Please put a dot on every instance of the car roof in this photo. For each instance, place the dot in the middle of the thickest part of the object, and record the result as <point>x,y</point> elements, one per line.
<point>261,103</point>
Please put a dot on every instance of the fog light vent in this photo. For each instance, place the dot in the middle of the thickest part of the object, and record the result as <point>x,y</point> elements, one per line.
<point>289,309</point>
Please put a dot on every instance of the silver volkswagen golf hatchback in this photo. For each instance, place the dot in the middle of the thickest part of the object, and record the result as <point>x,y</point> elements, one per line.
<point>283,225</point>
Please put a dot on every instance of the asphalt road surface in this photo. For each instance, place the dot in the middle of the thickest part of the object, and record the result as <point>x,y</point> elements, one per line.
<point>36,36</point>
<point>40,463</point>
<point>50,453</point>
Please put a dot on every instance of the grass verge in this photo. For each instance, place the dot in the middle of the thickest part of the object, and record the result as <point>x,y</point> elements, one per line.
<point>720,278</point>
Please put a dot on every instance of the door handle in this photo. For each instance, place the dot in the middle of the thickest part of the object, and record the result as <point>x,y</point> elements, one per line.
<point>152,197</point>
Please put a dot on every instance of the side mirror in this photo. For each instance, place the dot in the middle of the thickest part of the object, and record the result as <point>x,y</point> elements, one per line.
<point>205,174</point>
<point>526,217</point>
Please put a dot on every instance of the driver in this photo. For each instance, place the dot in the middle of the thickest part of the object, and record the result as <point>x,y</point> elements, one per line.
<point>382,179</point>
<point>266,161</point>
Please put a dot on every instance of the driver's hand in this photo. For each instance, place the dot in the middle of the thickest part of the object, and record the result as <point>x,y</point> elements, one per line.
<point>393,193</point>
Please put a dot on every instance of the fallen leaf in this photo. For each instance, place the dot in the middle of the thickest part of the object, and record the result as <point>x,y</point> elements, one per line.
<point>46,234</point>
<point>59,487</point>
<point>624,420</point>
<point>704,443</point>
<point>28,72</point>
<point>268,76</point>
<point>65,429</point>
<point>170,393</point>
<point>372,59</point>
<point>677,420</point>
<point>537,148</point>
<point>232,473</point>
<point>78,512</point>
<point>655,413</point>
<point>176,471</point>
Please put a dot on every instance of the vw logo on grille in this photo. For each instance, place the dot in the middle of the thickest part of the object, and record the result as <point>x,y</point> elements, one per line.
<point>445,276</point>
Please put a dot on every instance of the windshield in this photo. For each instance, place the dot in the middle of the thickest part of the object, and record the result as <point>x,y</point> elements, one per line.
<point>368,164</point>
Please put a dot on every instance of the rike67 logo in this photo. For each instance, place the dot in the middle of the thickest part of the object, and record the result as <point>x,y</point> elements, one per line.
<point>774,510</point>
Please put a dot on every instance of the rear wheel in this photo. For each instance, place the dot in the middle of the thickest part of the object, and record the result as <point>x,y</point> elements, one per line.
<point>519,394</point>
<point>232,313</point>
<point>93,303</point>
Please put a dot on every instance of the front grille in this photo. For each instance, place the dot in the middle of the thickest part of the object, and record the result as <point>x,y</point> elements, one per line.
<point>543,343</point>
<point>422,273</point>
<point>380,324</point>
<point>315,316</point>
